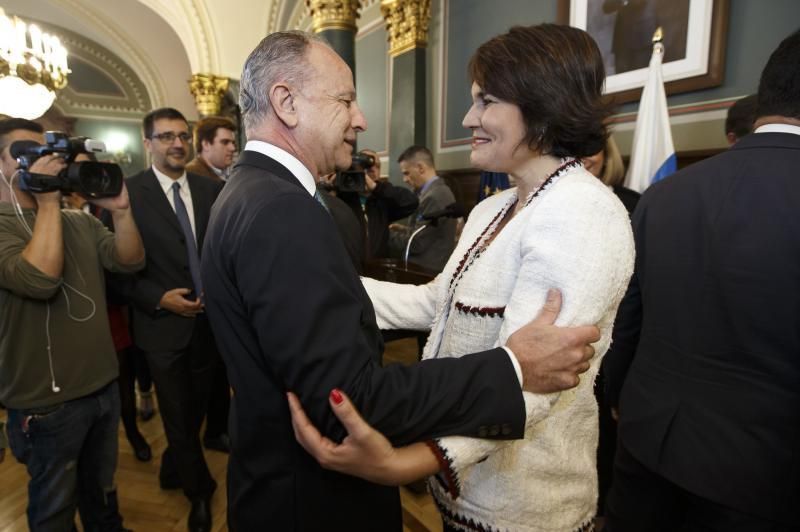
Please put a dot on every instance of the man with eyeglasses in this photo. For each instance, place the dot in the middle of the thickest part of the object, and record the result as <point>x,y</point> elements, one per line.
<point>171,208</point>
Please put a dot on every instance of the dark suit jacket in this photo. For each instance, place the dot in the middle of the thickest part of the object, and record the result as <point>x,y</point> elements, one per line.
<point>167,259</point>
<point>709,331</point>
<point>387,203</point>
<point>290,313</point>
<point>433,245</point>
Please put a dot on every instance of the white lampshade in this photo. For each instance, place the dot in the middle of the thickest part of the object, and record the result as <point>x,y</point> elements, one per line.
<point>19,99</point>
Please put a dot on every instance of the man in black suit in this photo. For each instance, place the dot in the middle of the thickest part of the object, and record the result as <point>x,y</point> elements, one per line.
<point>706,340</point>
<point>290,313</point>
<point>171,208</point>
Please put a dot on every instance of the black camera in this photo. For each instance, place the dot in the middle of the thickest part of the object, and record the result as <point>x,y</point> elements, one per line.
<point>354,178</point>
<point>90,178</point>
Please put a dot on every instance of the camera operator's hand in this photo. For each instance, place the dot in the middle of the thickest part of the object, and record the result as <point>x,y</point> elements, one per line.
<point>328,180</point>
<point>370,184</point>
<point>48,165</point>
<point>119,202</point>
<point>173,301</point>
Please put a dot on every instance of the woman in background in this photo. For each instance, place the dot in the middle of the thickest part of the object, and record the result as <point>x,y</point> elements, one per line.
<point>536,112</point>
<point>607,165</point>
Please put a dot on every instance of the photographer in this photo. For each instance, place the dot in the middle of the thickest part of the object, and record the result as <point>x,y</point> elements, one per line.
<point>378,204</point>
<point>58,368</point>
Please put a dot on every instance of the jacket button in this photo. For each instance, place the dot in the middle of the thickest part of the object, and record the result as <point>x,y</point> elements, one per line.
<point>482,432</point>
<point>494,431</point>
<point>505,429</point>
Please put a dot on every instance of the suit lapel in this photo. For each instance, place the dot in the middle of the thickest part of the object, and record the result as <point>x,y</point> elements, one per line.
<point>156,198</point>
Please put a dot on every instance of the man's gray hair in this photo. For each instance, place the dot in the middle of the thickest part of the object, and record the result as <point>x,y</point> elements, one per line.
<point>280,56</point>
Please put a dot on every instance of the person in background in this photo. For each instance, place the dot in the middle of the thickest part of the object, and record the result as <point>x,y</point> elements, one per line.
<point>58,368</point>
<point>537,111</point>
<point>432,246</point>
<point>740,118</point>
<point>172,208</point>
<point>379,204</point>
<point>704,365</point>
<point>607,166</point>
<point>214,147</point>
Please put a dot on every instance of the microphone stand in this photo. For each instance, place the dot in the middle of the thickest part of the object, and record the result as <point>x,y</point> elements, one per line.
<point>408,245</point>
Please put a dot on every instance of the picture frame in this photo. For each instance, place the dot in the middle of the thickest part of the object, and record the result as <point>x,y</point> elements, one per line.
<point>695,41</point>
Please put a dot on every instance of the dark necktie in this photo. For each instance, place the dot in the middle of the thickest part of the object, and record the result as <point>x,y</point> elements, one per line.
<point>318,197</point>
<point>191,245</point>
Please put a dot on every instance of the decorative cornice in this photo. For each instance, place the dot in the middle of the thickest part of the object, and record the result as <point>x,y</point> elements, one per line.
<point>138,60</point>
<point>406,23</point>
<point>333,14</point>
<point>208,91</point>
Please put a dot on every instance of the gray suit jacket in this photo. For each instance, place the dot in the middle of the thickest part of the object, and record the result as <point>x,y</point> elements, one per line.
<point>433,245</point>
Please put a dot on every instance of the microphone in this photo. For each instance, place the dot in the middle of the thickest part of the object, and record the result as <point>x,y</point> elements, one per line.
<point>454,210</point>
<point>21,147</point>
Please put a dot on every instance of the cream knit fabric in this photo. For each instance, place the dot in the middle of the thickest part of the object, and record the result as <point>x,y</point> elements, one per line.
<point>575,236</point>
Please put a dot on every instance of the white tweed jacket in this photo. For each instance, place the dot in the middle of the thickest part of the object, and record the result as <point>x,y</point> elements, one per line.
<point>575,236</point>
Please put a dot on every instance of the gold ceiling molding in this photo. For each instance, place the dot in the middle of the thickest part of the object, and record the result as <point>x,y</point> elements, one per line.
<point>208,91</point>
<point>406,23</point>
<point>333,14</point>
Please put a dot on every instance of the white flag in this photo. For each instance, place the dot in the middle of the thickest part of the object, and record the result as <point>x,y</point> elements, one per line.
<point>653,154</point>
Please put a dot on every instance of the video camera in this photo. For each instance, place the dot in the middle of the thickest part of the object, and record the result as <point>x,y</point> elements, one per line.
<point>90,178</point>
<point>354,178</point>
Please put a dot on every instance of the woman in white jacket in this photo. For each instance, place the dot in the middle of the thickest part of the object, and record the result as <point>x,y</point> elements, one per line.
<point>536,111</point>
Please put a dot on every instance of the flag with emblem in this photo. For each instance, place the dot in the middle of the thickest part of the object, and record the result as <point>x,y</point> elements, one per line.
<point>492,183</point>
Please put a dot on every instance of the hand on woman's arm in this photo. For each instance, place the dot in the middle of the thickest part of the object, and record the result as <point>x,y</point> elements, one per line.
<point>365,452</point>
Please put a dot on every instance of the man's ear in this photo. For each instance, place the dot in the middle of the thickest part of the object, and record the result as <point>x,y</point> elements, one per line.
<point>147,144</point>
<point>283,103</point>
<point>204,145</point>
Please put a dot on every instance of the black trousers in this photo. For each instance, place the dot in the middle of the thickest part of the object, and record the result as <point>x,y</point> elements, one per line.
<point>219,401</point>
<point>183,382</point>
<point>641,500</point>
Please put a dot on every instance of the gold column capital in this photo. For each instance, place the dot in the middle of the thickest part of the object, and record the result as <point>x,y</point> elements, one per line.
<point>208,91</point>
<point>406,23</point>
<point>333,14</point>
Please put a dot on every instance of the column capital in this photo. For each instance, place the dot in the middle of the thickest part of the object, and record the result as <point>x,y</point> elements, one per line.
<point>406,23</point>
<point>333,14</point>
<point>208,91</point>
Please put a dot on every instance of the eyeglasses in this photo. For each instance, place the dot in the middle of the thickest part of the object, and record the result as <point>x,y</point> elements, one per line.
<point>169,137</point>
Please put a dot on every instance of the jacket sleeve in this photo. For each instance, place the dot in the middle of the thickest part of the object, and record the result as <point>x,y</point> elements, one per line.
<point>403,306</point>
<point>399,201</point>
<point>581,244</point>
<point>312,321</point>
<point>19,276</point>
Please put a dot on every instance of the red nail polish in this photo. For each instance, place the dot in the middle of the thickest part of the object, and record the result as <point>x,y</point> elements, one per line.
<point>336,395</point>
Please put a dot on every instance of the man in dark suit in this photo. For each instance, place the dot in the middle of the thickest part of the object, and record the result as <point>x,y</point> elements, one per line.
<point>290,313</point>
<point>171,208</point>
<point>706,340</point>
<point>432,246</point>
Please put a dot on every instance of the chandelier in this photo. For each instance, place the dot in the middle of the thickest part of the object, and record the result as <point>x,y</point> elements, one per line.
<point>33,66</point>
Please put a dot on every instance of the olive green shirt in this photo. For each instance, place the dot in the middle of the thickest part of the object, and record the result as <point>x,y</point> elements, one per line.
<point>82,352</point>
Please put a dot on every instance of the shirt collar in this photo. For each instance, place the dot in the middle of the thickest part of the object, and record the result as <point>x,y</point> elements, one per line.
<point>166,181</point>
<point>778,128</point>
<point>427,185</point>
<point>292,163</point>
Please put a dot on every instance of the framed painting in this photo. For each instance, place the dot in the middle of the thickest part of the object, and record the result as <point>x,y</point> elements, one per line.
<point>694,37</point>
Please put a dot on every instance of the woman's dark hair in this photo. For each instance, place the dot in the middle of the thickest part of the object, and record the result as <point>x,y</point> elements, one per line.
<point>555,75</point>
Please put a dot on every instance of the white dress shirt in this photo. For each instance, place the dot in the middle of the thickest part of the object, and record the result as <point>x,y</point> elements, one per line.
<point>778,128</point>
<point>186,194</point>
<point>292,163</point>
